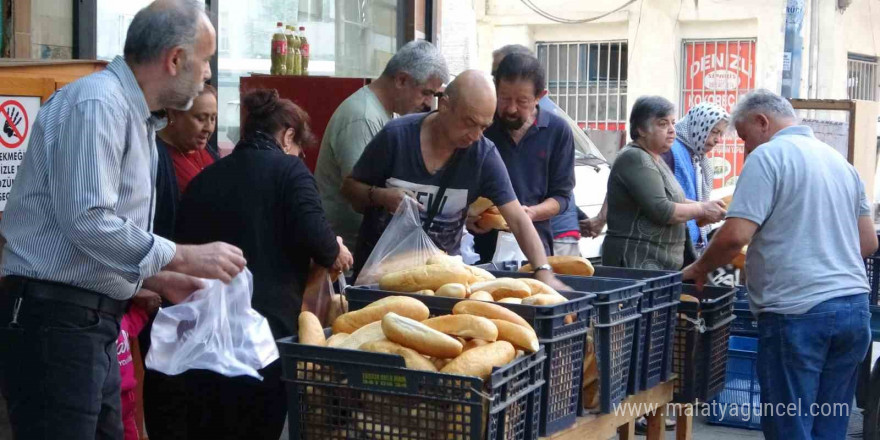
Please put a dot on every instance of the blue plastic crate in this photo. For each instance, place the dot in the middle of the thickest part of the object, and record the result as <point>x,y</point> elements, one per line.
<point>741,397</point>
<point>614,348</point>
<point>658,339</point>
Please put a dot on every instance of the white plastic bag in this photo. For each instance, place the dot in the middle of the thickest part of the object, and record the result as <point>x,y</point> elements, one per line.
<point>403,245</point>
<point>214,329</point>
<point>507,249</point>
<point>468,254</point>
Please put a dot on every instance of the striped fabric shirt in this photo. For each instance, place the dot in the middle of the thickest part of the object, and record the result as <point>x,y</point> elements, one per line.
<point>81,209</point>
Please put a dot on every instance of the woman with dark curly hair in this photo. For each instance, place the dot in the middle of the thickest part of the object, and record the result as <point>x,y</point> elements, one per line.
<point>263,199</point>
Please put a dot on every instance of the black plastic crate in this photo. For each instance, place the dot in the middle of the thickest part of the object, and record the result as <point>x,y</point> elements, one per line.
<point>617,296</point>
<point>563,344</point>
<point>745,323</point>
<point>872,266</point>
<point>659,334</point>
<point>337,394</point>
<point>715,306</point>
<point>701,339</point>
<point>614,348</point>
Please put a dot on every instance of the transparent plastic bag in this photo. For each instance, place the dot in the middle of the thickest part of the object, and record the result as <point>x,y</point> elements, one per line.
<point>214,329</point>
<point>507,249</point>
<point>403,245</point>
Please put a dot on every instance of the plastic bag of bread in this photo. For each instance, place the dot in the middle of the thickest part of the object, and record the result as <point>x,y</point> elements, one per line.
<point>403,245</point>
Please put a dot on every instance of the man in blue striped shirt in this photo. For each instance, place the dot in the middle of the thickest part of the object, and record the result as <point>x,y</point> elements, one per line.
<point>78,225</point>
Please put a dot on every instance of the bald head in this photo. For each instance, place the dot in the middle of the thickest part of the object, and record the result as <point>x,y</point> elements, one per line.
<point>472,88</point>
<point>469,107</point>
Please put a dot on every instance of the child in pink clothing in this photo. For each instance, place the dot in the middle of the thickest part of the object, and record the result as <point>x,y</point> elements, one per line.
<point>132,322</point>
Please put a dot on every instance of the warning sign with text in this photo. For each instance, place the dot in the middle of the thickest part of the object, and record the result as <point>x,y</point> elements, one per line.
<point>17,116</point>
<point>719,71</point>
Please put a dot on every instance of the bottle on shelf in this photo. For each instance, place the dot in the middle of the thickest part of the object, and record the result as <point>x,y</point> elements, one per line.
<point>279,51</point>
<point>297,53</point>
<point>290,33</point>
<point>304,50</point>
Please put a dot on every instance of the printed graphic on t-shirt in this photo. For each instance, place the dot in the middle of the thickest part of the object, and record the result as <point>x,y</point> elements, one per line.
<point>447,227</point>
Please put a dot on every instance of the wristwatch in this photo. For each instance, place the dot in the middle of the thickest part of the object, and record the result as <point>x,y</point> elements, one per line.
<point>546,267</point>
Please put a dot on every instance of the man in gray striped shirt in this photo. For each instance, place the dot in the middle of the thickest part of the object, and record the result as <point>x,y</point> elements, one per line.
<point>78,225</point>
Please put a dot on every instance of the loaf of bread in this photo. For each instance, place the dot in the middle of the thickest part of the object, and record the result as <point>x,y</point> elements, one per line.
<point>310,331</point>
<point>338,306</point>
<point>591,395</point>
<point>727,199</point>
<point>402,305</point>
<point>430,277</point>
<point>488,310</point>
<point>439,363</point>
<point>419,337</point>
<point>479,361</point>
<point>492,221</point>
<point>688,298</point>
<point>413,359</point>
<point>566,265</point>
<point>481,296</point>
<point>452,290</point>
<point>537,286</point>
<point>479,206</point>
<point>480,274</point>
<point>464,326</point>
<point>544,299</point>
<point>504,288</point>
<point>521,337</point>
<point>444,259</point>
<point>474,343</point>
<point>511,300</point>
<point>426,292</point>
<point>368,333</point>
<point>337,339</point>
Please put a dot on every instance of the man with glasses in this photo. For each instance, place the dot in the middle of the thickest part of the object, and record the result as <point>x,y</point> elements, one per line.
<point>537,148</point>
<point>407,85</point>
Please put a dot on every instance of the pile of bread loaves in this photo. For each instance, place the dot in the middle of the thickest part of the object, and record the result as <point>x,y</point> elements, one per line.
<point>476,337</point>
<point>447,276</point>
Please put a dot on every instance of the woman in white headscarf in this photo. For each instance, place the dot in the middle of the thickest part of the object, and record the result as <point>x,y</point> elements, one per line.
<point>695,136</point>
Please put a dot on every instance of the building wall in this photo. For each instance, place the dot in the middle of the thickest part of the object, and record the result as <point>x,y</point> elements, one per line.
<point>51,29</point>
<point>656,29</point>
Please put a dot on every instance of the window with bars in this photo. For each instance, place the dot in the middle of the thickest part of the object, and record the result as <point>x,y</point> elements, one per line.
<point>587,80</point>
<point>861,78</point>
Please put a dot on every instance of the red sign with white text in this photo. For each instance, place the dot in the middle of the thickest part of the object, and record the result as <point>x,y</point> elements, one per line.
<point>719,72</point>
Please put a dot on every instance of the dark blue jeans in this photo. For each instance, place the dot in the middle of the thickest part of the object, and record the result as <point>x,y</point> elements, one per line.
<point>807,367</point>
<point>59,372</point>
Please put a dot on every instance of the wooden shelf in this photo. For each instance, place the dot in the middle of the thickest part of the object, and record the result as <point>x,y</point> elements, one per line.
<point>605,426</point>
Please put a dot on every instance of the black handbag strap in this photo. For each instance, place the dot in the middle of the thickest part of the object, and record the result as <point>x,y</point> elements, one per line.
<point>445,180</point>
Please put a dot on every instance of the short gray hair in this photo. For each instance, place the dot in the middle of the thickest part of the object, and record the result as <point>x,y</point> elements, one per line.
<point>419,59</point>
<point>161,26</point>
<point>762,101</point>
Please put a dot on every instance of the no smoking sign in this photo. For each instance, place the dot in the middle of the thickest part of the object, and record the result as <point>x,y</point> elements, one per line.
<point>16,124</point>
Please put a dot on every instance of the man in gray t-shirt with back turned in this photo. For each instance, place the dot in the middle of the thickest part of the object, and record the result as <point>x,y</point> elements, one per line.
<point>802,210</point>
<point>408,85</point>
